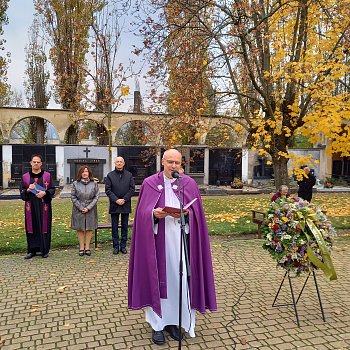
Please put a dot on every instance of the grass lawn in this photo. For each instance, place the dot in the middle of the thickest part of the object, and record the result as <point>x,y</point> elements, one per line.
<point>227,216</point>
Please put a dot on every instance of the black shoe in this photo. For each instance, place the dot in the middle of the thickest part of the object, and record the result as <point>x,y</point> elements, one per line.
<point>116,251</point>
<point>173,332</point>
<point>81,252</point>
<point>123,250</point>
<point>158,337</point>
<point>88,252</point>
<point>29,255</point>
<point>45,255</point>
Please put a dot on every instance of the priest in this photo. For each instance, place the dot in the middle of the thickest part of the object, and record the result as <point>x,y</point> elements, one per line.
<point>153,281</point>
<point>37,192</point>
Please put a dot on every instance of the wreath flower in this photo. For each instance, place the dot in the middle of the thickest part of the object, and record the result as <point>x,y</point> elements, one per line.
<point>299,237</point>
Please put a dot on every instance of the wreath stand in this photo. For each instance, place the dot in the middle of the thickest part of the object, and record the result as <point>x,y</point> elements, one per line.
<point>295,301</point>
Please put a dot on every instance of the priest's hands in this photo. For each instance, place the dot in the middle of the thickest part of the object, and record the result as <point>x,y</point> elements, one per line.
<point>84,210</point>
<point>31,187</point>
<point>178,215</point>
<point>120,201</point>
<point>40,194</point>
<point>159,213</point>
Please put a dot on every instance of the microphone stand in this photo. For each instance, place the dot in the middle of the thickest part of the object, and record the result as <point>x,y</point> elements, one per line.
<point>183,242</point>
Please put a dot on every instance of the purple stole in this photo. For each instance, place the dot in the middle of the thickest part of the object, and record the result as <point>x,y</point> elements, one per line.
<point>28,206</point>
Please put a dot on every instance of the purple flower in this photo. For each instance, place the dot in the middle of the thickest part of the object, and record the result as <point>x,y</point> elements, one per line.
<point>277,212</point>
<point>279,248</point>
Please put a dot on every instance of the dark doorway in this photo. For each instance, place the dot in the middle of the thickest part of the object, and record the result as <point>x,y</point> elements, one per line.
<point>341,168</point>
<point>224,165</point>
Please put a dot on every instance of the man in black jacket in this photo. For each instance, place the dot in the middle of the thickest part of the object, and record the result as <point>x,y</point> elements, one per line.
<point>306,184</point>
<point>119,187</point>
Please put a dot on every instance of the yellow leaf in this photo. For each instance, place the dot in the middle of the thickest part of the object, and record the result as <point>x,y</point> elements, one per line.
<point>124,90</point>
<point>61,289</point>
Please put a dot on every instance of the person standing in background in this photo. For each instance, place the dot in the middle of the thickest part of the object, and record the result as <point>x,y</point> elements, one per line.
<point>306,184</point>
<point>119,187</point>
<point>37,191</point>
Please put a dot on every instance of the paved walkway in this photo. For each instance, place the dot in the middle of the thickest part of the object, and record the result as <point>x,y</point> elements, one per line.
<point>69,302</point>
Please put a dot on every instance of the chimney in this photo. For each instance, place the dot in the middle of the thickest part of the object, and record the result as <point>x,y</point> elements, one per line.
<point>137,98</point>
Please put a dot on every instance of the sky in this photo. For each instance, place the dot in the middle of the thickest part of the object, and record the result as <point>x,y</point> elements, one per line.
<point>20,14</point>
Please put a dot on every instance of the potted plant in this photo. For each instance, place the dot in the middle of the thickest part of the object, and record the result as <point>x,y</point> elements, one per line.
<point>329,183</point>
<point>237,183</point>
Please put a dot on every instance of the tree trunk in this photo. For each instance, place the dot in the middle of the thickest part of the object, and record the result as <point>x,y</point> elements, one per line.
<point>280,171</point>
<point>40,130</point>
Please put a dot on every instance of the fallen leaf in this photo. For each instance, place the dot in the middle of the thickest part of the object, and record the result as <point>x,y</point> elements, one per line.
<point>61,289</point>
<point>337,311</point>
<point>2,341</point>
<point>53,274</point>
<point>243,341</point>
<point>33,310</point>
<point>67,325</point>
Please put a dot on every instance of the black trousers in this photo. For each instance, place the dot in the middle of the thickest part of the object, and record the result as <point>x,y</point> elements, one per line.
<point>124,229</point>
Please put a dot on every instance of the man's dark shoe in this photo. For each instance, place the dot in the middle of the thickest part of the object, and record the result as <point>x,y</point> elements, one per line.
<point>29,256</point>
<point>158,337</point>
<point>123,250</point>
<point>173,332</point>
<point>116,251</point>
<point>45,255</point>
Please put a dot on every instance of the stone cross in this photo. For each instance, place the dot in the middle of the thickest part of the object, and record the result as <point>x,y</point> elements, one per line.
<point>86,150</point>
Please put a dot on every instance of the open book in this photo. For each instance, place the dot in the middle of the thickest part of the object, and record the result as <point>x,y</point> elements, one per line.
<point>172,210</point>
<point>38,188</point>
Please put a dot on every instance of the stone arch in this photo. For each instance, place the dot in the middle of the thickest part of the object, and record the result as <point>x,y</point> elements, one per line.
<point>180,132</point>
<point>135,132</point>
<point>87,132</point>
<point>33,129</point>
<point>223,135</point>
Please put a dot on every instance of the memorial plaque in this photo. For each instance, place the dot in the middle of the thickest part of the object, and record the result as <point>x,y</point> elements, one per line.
<point>96,166</point>
<point>196,160</point>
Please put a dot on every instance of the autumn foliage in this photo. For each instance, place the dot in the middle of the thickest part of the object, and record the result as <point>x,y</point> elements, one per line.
<point>282,67</point>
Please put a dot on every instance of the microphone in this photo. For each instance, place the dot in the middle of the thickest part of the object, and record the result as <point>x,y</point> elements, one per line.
<point>176,175</point>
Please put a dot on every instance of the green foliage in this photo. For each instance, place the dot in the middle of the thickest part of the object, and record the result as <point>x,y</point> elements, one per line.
<point>301,141</point>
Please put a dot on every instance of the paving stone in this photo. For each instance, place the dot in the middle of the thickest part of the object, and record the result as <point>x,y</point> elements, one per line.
<point>33,315</point>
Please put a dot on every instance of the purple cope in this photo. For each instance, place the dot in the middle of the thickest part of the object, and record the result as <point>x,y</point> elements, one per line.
<point>147,282</point>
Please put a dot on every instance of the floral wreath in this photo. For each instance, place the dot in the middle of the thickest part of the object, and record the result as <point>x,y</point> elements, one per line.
<point>299,237</point>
